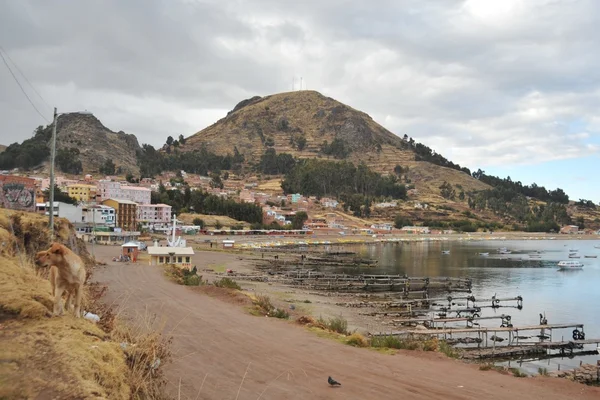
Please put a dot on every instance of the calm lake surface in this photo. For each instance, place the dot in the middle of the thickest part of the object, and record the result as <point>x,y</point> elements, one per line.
<point>564,296</point>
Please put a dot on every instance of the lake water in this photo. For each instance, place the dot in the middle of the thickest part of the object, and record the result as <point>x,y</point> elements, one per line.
<point>564,296</point>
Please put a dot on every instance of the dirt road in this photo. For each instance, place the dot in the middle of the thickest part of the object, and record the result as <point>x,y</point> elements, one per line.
<point>224,353</point>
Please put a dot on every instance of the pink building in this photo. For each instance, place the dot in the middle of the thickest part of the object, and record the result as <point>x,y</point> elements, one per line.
<point>59,181</point>
<point>154,213</point>
<point>116,190</point>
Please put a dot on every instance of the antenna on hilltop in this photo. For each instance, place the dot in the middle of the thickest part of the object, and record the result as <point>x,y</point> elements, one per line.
<point>293,83</point>
<point>300,83</point>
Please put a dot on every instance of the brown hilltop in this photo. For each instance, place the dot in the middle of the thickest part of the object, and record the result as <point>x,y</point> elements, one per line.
<point>96,142</point>
<point>284,119</point>
<point>2,148</point>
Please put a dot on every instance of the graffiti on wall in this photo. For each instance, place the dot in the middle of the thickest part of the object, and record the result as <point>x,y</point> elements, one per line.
<point>18,196</point>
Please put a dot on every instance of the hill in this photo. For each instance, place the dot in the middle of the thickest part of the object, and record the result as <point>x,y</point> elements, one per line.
<point>307,124</point>
<point>83,145</point>
<point>96,143</point>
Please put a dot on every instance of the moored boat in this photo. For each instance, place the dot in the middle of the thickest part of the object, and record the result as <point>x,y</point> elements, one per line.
<point>570,265</point>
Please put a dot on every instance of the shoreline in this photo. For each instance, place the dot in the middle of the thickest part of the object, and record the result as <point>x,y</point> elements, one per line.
<point>231,325</point>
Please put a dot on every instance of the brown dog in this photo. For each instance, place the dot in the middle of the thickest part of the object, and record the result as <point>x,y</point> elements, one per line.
<point>67,273</point>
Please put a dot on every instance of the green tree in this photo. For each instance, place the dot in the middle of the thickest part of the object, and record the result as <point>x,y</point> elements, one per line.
<point>182,139</point>
<point>299,220</point>
<point>401,221</point>
<point>301,143</point>
<point>59,195</point>
<point>169,140</point>
<point>447,191</point>
<point>68,161</point>
<point>108,168</point>
<point>199,222</point>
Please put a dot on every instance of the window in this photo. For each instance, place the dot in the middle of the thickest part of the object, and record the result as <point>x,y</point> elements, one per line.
<point>161,260</point>
<point>187,260</point>
<point>179,260</point>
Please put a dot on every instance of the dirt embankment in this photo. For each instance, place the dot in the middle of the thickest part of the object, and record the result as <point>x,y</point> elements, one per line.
<point>221,351</point>
<point>46,357</point>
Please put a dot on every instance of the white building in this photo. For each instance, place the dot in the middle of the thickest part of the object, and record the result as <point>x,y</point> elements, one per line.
<point>62,210</point>
<point>115,190</point>
<point>99,215</point>
<point>180,256</point>
<point>382,227</point>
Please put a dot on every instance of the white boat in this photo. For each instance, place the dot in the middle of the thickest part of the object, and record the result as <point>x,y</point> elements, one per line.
<point>445,251</point>
<point>504,250</point>
<point>590,256</point>
<point>570,265</point>
<point>484,254</point>
<point>574,256</point>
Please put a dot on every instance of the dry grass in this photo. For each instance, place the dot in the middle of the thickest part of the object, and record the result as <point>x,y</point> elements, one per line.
<point>24,294</point>
<point>66,357</point>
<point>271,185</point>
<point>211,220</point>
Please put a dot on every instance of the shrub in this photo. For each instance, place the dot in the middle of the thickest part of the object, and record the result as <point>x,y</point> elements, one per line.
<point>431,345</point>
<point>263,302</point>
<point>543,371</point>
<point>357,340</point>
<point>391,342</point>
<point>485,367</point>
<point>184,276</point>
<point>448,350</point>
<point>335,324</point>
<point>227,283</point>
<point>517,373</point>
<point>338,324</point>
<point>279,313</point>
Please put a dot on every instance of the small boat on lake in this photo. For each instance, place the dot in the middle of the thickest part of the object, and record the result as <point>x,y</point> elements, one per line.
<point>568,265</point>
<point>445,251</point>
<point>574,256</point>
<point>504,250</point>
<point>484,254</point>
<point>590,256</point>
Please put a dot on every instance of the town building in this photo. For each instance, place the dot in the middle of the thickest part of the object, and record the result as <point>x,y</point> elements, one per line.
<point>17,193</point>
<point>155,214</point>
<point>82,192</point>
<point>179,256</point>
<point>383,227</point>
<point>115,190</point>
<point>415,229</point>
<point>70,212</point>
<point>126,213</point>
<point>99,214</point>
<point>569,229</point>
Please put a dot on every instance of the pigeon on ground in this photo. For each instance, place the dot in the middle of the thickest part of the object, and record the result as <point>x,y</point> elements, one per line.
<point>333,382</point>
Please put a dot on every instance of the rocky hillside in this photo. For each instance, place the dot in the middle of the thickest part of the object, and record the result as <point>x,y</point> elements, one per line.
<point>96,143</point>
<point>300,122</point>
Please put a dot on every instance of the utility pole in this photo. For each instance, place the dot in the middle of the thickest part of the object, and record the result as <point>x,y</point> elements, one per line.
<point>52,156</point>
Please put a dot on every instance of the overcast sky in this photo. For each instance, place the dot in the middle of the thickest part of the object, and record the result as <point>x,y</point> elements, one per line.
<point>509,86</point>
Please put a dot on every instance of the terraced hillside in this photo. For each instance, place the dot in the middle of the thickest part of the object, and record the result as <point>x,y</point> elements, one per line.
<point>300,122</point>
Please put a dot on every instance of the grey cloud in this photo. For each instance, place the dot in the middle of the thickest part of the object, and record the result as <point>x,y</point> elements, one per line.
<point>508,86</point>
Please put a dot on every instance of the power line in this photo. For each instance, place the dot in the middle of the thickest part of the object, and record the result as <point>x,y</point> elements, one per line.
<point>21,87</point>
<point>24,77</point>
